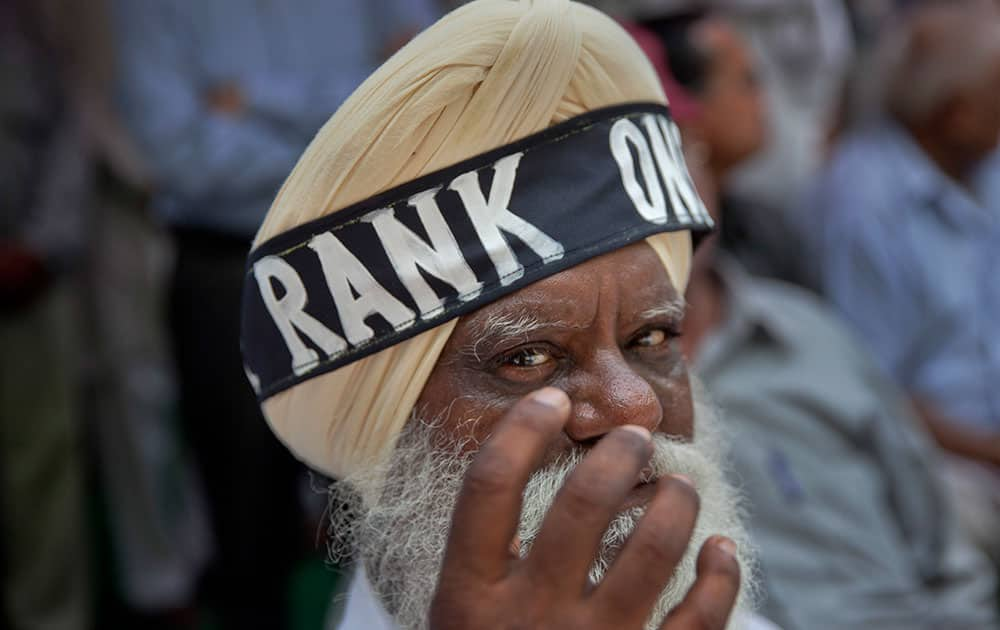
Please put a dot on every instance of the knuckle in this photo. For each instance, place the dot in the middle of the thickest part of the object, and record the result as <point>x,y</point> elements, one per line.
<point>624,448</point>
<point>579,501</point>
<point>710,615</point>
<point>729,568</point>
<point>490,473</point>
<point>448,614</point>
<point>691,616</point>
<point>583,617</point>
<point>656,546</point>
<point>533,416</point>
<point>681,493</point>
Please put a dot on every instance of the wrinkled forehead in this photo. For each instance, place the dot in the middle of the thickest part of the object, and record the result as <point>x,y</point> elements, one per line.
<point>627,284</point>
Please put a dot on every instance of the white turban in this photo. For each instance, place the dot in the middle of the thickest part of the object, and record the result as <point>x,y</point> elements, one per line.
<point>489,73</point>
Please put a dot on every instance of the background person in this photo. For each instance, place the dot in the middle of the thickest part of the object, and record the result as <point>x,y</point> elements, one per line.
<point>223,97</point>
<point>45,189</point>
<point>156,521</point>
<point>908,254</point>
<point>852,528</point>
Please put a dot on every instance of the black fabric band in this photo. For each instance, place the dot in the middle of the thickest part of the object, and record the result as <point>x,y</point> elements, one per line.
<point>340,288</point>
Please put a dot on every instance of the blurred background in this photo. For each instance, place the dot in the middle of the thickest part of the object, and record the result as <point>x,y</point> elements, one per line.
<point>848,148</point>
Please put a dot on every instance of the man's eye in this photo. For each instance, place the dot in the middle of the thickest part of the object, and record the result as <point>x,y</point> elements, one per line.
<point>528,358</point>
<point>651,338</point>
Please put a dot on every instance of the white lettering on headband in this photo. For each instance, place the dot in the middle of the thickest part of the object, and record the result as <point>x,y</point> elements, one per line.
<point>651,174</point>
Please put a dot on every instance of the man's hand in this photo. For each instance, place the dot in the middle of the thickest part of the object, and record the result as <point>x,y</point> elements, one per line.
<point>484,585</point>
<point>952,435</point>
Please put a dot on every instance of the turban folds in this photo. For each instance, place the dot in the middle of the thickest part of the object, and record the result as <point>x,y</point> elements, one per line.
<point>487,74</point>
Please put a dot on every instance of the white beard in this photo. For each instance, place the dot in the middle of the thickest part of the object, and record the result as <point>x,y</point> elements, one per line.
<point>401,536</point>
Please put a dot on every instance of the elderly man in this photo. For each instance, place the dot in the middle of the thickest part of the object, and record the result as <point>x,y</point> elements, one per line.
<point>907,251</point>
<point>465,303</point>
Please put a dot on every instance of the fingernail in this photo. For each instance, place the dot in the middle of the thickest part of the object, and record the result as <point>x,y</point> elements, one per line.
<point>726,545</point>
<point>551,397</point>
<point>515,546</point>
<point>683,478</point>
<point>640,431</point>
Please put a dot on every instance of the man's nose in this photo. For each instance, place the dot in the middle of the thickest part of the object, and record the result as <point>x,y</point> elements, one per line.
<point>611,394</point>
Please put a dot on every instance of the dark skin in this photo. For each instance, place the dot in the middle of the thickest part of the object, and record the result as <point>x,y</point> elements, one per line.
<point>603,373</point>
<point>616,364</point>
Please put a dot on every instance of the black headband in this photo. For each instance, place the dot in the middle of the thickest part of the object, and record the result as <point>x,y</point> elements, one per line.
<point>345,286</point>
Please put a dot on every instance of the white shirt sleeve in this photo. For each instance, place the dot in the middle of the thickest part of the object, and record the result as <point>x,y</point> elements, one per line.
<point>363,610</point>
<point>752,621</point>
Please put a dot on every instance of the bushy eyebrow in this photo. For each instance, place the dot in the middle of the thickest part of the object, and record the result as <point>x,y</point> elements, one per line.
<point>502,326</point>
<point>509,325</point>
<point>673,309</point>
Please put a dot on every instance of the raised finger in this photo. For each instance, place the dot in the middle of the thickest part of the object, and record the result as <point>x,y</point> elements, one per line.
<point>710,601</point>
<point>488,507</point>
<point>647,561</point>
<point>572,529</point>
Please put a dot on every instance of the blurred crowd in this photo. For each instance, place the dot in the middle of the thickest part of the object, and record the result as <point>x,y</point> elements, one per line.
<point>844,317</point>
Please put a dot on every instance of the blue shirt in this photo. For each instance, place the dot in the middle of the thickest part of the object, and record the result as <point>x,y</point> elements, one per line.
<point>909,258</point>
<point>295,62</point>
<point>988,183</point>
